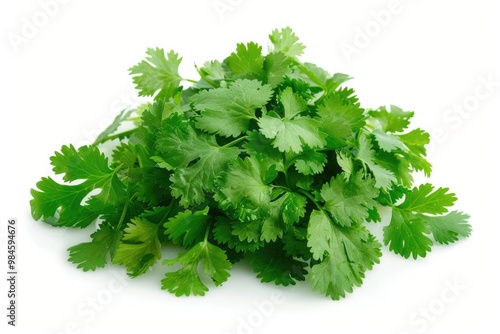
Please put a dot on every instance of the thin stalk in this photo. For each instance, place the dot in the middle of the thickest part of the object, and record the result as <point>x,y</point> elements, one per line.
<point>236,141</point>
<point>311,75</point>
<point>204,77</point>
<point>205,239</point>
<point>115,136</point>
<point>124,212</point>
<point>309,196</point>
<point>190,80</point>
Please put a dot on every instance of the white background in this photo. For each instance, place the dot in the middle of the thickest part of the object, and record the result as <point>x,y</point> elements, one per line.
<point>69,77</point>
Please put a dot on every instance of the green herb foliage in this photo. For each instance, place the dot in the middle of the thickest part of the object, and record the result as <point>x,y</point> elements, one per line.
<point>264,159</point>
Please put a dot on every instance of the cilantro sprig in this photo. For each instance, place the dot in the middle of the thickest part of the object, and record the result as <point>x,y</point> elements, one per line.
<point>264,159</point>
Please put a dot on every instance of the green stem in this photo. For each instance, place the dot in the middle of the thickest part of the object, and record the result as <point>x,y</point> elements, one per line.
<point>321,98</point>
<point>135,118</point>
<point>290,163</point>
<point>311,75</point>
<point>205,239</point>
<point>204,77</point>
<point>305,193</point>
<point>190,80</point>
<point>287,189</point>
<point>320,208</point>
<point>369,126</point>
<point>236,141</point>
<point>117,168</point>
<point>169,208</point>
<point>287,180</point>
<point>351,143</point>
<point>115,136</point>
<point>161,234</point>
<point>124,213</point>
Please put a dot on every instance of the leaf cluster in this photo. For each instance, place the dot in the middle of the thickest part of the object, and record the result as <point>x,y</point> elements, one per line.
<point>264,159</point>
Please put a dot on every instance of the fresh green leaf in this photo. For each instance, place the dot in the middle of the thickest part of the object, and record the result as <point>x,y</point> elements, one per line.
<point>277,66</point>
<point>339,119</point>
<point>392,120</point>
<point>310,162</point>
<point>318,77</point>
<point>244,188</point>
<point>212,73</point>
<point>407,235</point>
<point>157,74</point>
<point>387,141</point>
<point>287,42</point>
<point>228,111</point>
<point>285,211</point>
<point>347,253</point>
<point>349,201</point>
<point>424,199</point>
<point>140,247</point>
<point>446,229</point>
<point>224,234</point>
<point>66,204</point>
<point>272,264</point>
<point>196,158</point>
<point>319,233</point>
<point>247,62</point>
<point>397,165</point>
<point>383,177</point>
<point>292,132</point>
<point>94,254</point>
<point>186,281</point>
<point>416,140</point>
<point>187,227</point>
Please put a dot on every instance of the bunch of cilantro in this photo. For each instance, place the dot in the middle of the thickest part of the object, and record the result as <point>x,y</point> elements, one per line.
<point>264,159</point>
